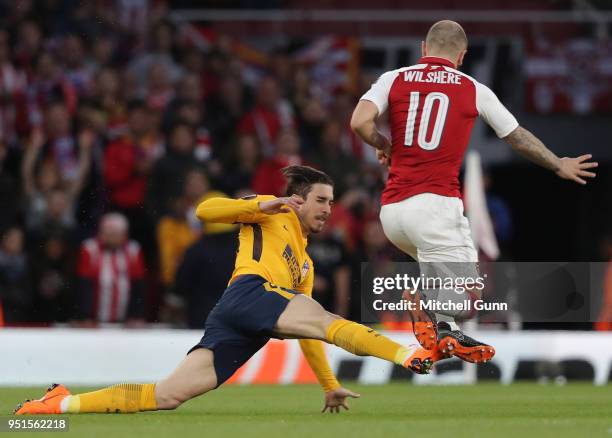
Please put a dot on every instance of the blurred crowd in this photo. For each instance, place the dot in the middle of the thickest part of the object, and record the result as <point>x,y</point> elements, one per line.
<point>113,129</point>
<point>114,126</point>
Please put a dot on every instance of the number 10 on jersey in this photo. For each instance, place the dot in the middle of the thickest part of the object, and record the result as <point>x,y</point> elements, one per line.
<point>438,127</point>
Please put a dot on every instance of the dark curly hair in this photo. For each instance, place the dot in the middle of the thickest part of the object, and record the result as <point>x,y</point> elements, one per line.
<point>301,178</point>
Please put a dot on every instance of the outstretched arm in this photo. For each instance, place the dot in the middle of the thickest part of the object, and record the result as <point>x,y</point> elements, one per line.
<point>505,125</point>
<point>335,395</point>
<point>530,147</point>
<point>229,211</point>
<point>314,352</point>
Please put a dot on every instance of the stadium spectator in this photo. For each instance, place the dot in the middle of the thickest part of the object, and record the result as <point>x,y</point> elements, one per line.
<point>205,270</point>
<point>341,110</point>
<point>61,162</point>
<point>102,53</point>
<point>188,106</point>
<point>110,276</point>
<point>225,109</point>
<point>73,58</point>
<point>167,180</point>
<point>349,215</point>
<point>189,100</point>
<point>193,64</point>
<point>179,228</point>
<point>160,53</point>
<point>192,112</point>
<point>268,177</point>
<point>15,288</point>
<point>108,94</point>
<point>52,275</point>
<point>134,16</point>
<point>331,283</point>
<point>28,44</point>
<point>301,89</point>
<point>159,90</point>
<point>38,186</point>
<point>128,162</point>
<point>72,154</point>
<point>270,115</point>
<point>48,85</point>
<point>12,98</point>
<point>197,186</point>
<point>190,88</point>
<point>57,218</point>
<point>244,163</point>
<point>312,119</point>
<point>281,67</point>
<point>333,160</point>
<point>9,191</point>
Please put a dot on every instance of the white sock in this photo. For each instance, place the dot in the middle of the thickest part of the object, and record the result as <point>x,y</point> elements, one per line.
<point>65,403</point>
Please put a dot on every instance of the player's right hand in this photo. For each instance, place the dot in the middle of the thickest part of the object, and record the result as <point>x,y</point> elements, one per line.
<point>337,398</point>
<point>383,144</point>
<point>383,158</point>
<point>575,168</point>
<point>281,205</point>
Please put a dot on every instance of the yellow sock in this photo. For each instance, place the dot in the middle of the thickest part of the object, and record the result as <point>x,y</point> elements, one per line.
<point>364,341</point>
<point>120,399</point>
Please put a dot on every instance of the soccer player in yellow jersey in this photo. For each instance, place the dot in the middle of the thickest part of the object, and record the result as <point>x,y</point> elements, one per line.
<point>269,295</point>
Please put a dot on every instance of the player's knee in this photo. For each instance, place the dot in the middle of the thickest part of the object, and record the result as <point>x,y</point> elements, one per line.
<point>326,322</point>
<point>305,318</point>
<point>329,318</point>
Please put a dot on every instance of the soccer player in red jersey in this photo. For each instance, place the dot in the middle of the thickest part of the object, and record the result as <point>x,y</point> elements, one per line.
<point>432,108</point>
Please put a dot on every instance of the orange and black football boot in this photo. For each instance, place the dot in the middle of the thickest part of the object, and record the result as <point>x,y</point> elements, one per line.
<point>456,343</point>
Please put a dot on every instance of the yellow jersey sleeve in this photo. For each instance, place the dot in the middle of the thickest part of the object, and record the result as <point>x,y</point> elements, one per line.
<point>230,211</point>
<point>314,352</point>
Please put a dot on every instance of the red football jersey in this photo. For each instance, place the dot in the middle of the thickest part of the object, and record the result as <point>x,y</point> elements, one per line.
<point>112,273</point>
<point>432,109</point>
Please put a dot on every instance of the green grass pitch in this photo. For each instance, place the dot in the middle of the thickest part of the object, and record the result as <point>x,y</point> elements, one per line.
<point>395,410</point>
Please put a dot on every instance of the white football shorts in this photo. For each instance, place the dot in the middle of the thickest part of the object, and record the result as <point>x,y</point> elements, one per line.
<point>430,228</point>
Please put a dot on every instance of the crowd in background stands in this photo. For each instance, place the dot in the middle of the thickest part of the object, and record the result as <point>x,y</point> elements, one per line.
<point>112,131</point>
<point>113,128</point>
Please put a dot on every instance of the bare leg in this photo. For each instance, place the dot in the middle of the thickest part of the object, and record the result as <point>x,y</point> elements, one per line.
<point>304,318</point>
<point>194,376</point>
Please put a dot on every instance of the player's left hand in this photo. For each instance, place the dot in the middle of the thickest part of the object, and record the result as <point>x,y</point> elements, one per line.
<point>575,169</point>
<point>338,398</point>
<point>281,205</point>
